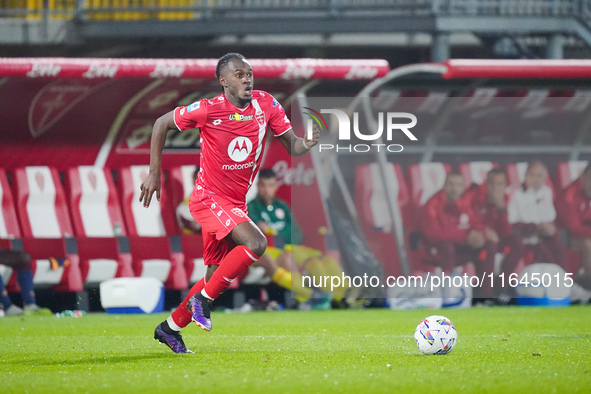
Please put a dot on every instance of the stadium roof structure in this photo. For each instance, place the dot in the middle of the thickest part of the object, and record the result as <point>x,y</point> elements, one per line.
<point>286,69</point>
<point>490,69</point>
<point>463,68</point>
<point>292,68</point>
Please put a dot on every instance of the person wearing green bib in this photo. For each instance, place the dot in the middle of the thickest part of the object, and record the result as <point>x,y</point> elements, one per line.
<point>273,216</point>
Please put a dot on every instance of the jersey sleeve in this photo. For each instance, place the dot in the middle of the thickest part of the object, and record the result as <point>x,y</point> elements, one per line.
<point>191,116</point>
<point>278,121</point>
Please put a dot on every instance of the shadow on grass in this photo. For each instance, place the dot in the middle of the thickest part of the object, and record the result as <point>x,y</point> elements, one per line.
<point>99,360</point>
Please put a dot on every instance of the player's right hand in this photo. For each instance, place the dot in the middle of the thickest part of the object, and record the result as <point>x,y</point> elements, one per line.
<point>149,185</point>
<point>491,235</point>
<point>476,239</point>
<point>547,229</point>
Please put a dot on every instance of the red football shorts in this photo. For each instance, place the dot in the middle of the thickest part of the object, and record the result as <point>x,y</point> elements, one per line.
<point>217,217</point>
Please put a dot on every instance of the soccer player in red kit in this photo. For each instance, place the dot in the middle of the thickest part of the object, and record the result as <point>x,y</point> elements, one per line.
<point>233,128</point>
<point>575,213</point>
<point>453,235</point>
<point>489,204</point>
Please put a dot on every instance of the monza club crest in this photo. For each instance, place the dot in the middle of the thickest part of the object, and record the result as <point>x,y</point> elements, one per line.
<point>238,212</point>
<point>54,101</point>
<point>260,117</point>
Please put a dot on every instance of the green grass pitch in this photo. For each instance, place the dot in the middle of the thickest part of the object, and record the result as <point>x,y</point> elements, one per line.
<point>512,349</point>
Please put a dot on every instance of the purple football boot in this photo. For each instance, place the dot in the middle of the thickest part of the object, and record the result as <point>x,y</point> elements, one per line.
<point>173,341</point>
<point>201,310</point>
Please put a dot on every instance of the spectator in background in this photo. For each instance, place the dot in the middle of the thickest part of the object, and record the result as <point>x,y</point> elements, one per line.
<point>20,262</point>
<point>489,204</point>
<point>273,216</point>
<point>184,219</point>
<point>532,214</point>
<point>575,212</point>
<point>453,235</point>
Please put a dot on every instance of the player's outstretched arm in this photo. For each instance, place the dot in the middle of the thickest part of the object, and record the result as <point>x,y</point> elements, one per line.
<point>297,146</point>
<point>151,183</point>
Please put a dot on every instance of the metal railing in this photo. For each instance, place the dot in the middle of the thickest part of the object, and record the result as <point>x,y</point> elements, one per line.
<point>200,9</point>
<point>507,7</point>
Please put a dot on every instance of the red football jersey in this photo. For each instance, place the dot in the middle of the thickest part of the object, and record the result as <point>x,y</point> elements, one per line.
<point>232,140</point>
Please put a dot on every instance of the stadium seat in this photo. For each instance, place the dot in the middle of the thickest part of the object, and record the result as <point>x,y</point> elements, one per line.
<point>475,172</point>
<point>9,228</point>
<point>181,183</point>
<point>97,220</point>
<point>46,228</point>
<point>426,179</point>
<point>567,172</point>
<point>374,212</point>
<point>153,253</point>
<point>181,180</point>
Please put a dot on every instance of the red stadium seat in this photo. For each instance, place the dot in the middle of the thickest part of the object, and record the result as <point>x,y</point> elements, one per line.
<point>567,172</point>
<point>181,179</point>
<point>426,179</point>
<point>46,227</point>
<point>475,172</point>
<point>149,230</point>
<point>97,221</point>
<point>181,183</point>
<point>374,212</point>
<point>9,228</point>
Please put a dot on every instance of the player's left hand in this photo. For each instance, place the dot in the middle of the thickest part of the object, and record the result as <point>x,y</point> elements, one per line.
<point>315,137</point>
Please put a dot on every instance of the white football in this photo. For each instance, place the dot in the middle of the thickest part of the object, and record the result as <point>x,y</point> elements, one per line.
<point>436,335</point>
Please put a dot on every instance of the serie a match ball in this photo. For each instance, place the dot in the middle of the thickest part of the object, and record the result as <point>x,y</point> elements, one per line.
<point>436,335</point>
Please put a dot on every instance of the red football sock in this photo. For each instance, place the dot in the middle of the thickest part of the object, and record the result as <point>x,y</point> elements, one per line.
<point>235,262</point>
<point>182,315</point>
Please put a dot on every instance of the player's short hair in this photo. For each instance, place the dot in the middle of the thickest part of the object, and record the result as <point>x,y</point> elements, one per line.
<point>224,60</point>
<point>536,163</point>
<point>453,173</point>
<point>496,171</point>
<point>267,173</point>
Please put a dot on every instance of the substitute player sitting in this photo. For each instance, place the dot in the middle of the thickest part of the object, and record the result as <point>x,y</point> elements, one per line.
<point>489,204</point>
<point>532,214</point>
<point>233,127</point>
<point>453,235</point>
<point>273,216</point>
<point>575,212</point>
